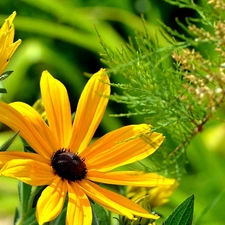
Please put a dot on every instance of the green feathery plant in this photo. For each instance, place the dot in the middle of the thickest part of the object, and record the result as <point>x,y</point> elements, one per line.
<point>179,87</point>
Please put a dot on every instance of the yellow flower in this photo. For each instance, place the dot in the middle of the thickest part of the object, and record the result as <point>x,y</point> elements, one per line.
<point>7,47</point>
<point>160,195</point>
<point>66,161</point>
<point>149,198</point>
<point>156,196</point>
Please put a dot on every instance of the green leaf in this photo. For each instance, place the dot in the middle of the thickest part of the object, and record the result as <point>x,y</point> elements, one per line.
<point>5,75</point>
<point>30,218</point>
<point>3,91</point>
<point>183,214</point>
<point>61,218</point>
<point>100,216</point>
<point>6,145</point>
<point>24,197</point>
<point>36,195</point>
<point>27,148</point>
<point>16,216</point>
<point>28,197</point>
<point>210,206</point>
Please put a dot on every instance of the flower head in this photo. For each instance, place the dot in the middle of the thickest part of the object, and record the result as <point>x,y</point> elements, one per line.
<point>7,46</point>
<point>65,160</point>
<point>156,196</point>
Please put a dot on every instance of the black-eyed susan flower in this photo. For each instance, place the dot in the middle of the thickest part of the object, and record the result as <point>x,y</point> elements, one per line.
<point>7,46</point>
<point>67,163</point>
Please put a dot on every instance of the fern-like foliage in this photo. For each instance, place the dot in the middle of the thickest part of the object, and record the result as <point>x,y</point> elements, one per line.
<point>176,88</point>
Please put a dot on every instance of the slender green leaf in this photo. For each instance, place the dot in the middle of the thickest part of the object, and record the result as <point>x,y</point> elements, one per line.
<point>30,218</point>
<point>61,218</point>
<point>99,215</point>
<point>183,214</point>
<point>24,197</point>
<point>3,90</point>
<point>5,75</point>
<point>36,193</point>
<point>6,145</point>
<point>209,207</point>
<point>16,216</point>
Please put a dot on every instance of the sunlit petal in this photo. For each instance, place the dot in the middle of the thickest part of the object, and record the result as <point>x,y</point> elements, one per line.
<point>51,202</point>
<point>7,53</point>
<point>90,110</point>
<point>78,209</point>
<point>7,47</point>
<point>34,118</point>
<point>8,23</point>
<point>57,106</point>
<point>129,178</point>
<point>122,146</point>
<point>7,156</point>
<point>160,195</point>
<point>16,121</point>
<point>114,201</point>
<point>29,171</point>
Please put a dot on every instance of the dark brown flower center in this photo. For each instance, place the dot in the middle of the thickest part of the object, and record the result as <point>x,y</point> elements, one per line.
<point>68,165</point>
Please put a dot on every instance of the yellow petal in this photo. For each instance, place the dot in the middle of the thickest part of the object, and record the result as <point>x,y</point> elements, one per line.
<point>122,146</point>
<point>7,47</point>
<point>57,106</point>
<point>129,178</point>
<point>160,195</point>
<point>113,201</point>
<point>7,156</point>
<point>34,118</point>
<point>90,110</point>
<point>29,171</point>
<point>29,131</point>
<point>8,23</point>
<point>6,52</point>
<point>79,209</point>
<point>51,201</point>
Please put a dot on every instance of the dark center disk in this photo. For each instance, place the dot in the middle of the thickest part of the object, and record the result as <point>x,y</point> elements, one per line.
<point>69,165</point>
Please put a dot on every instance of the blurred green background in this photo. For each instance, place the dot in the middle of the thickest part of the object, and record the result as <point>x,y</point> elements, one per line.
<point>60,36</point>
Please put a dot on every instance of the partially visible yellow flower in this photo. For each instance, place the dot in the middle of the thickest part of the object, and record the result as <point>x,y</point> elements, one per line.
<point>67,163</point>
<point>39,107</point>
<point>160,195</point>
<point>7,46</point>
<point>149,198</point>
<point>156,196</point>
<point>144,203</point>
